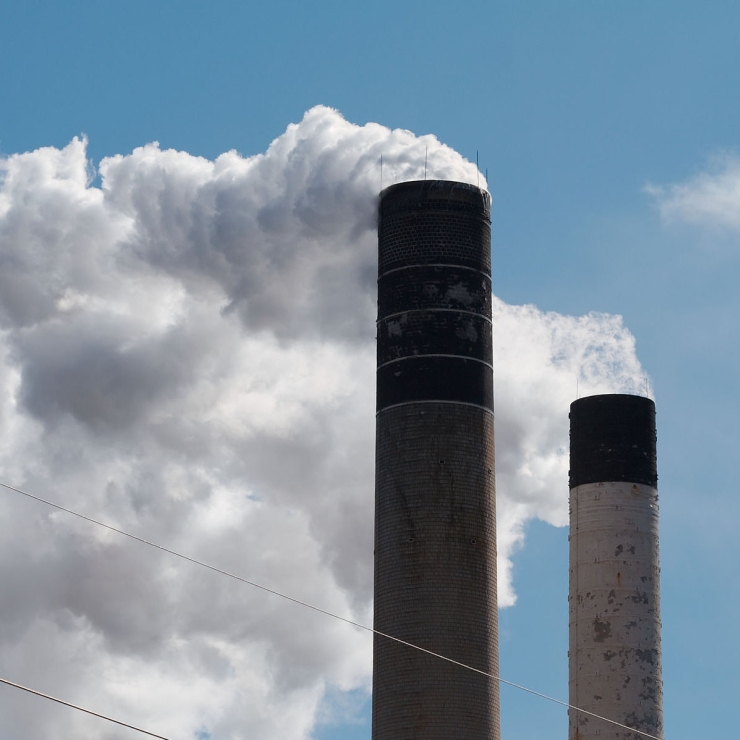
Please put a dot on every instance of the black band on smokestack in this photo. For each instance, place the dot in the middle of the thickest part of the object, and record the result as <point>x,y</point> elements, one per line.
<point>434,294</point>
<point>612,438</point>
<point>432,221</point>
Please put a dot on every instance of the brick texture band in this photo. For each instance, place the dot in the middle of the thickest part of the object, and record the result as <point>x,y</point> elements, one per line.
<point>433,221</point>
<point>435,573</point>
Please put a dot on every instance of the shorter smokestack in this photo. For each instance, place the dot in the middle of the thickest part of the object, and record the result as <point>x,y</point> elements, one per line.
<point>615,656</point>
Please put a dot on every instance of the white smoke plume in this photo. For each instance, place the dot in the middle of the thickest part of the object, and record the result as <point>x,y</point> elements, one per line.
<point>187,354</point>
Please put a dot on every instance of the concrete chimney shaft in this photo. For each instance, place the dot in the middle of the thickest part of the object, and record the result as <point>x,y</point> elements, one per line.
<point>614,656</point>
<point>435,520</point>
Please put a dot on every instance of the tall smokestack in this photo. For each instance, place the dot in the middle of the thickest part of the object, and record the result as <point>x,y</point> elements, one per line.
<point>615,656</point>
<point>435,519</point>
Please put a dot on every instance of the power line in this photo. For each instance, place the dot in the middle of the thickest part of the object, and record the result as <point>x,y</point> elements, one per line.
<point>328,613</point>
<point>81,709</point>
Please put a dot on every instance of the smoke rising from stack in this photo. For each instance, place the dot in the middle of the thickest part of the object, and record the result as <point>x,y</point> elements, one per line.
<point>187,353</point>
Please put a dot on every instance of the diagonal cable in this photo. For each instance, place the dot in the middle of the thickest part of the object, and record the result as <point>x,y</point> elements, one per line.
<point>81,709</point>
<point>328,613</point>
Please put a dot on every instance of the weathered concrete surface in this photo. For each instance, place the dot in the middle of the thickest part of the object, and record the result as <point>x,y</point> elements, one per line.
<point>615,655</point>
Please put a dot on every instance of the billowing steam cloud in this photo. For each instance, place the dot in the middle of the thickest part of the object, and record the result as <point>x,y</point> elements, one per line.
<point>187,353</point>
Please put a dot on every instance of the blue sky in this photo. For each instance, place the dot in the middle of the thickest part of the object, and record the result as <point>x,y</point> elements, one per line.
<point>575,110</point>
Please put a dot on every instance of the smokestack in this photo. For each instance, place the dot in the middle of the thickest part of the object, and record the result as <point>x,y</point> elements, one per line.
<point>435,519</point>
<point>615,656</point>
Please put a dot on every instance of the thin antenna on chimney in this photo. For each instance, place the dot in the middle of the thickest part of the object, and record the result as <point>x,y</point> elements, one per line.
<point>426,152</point>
